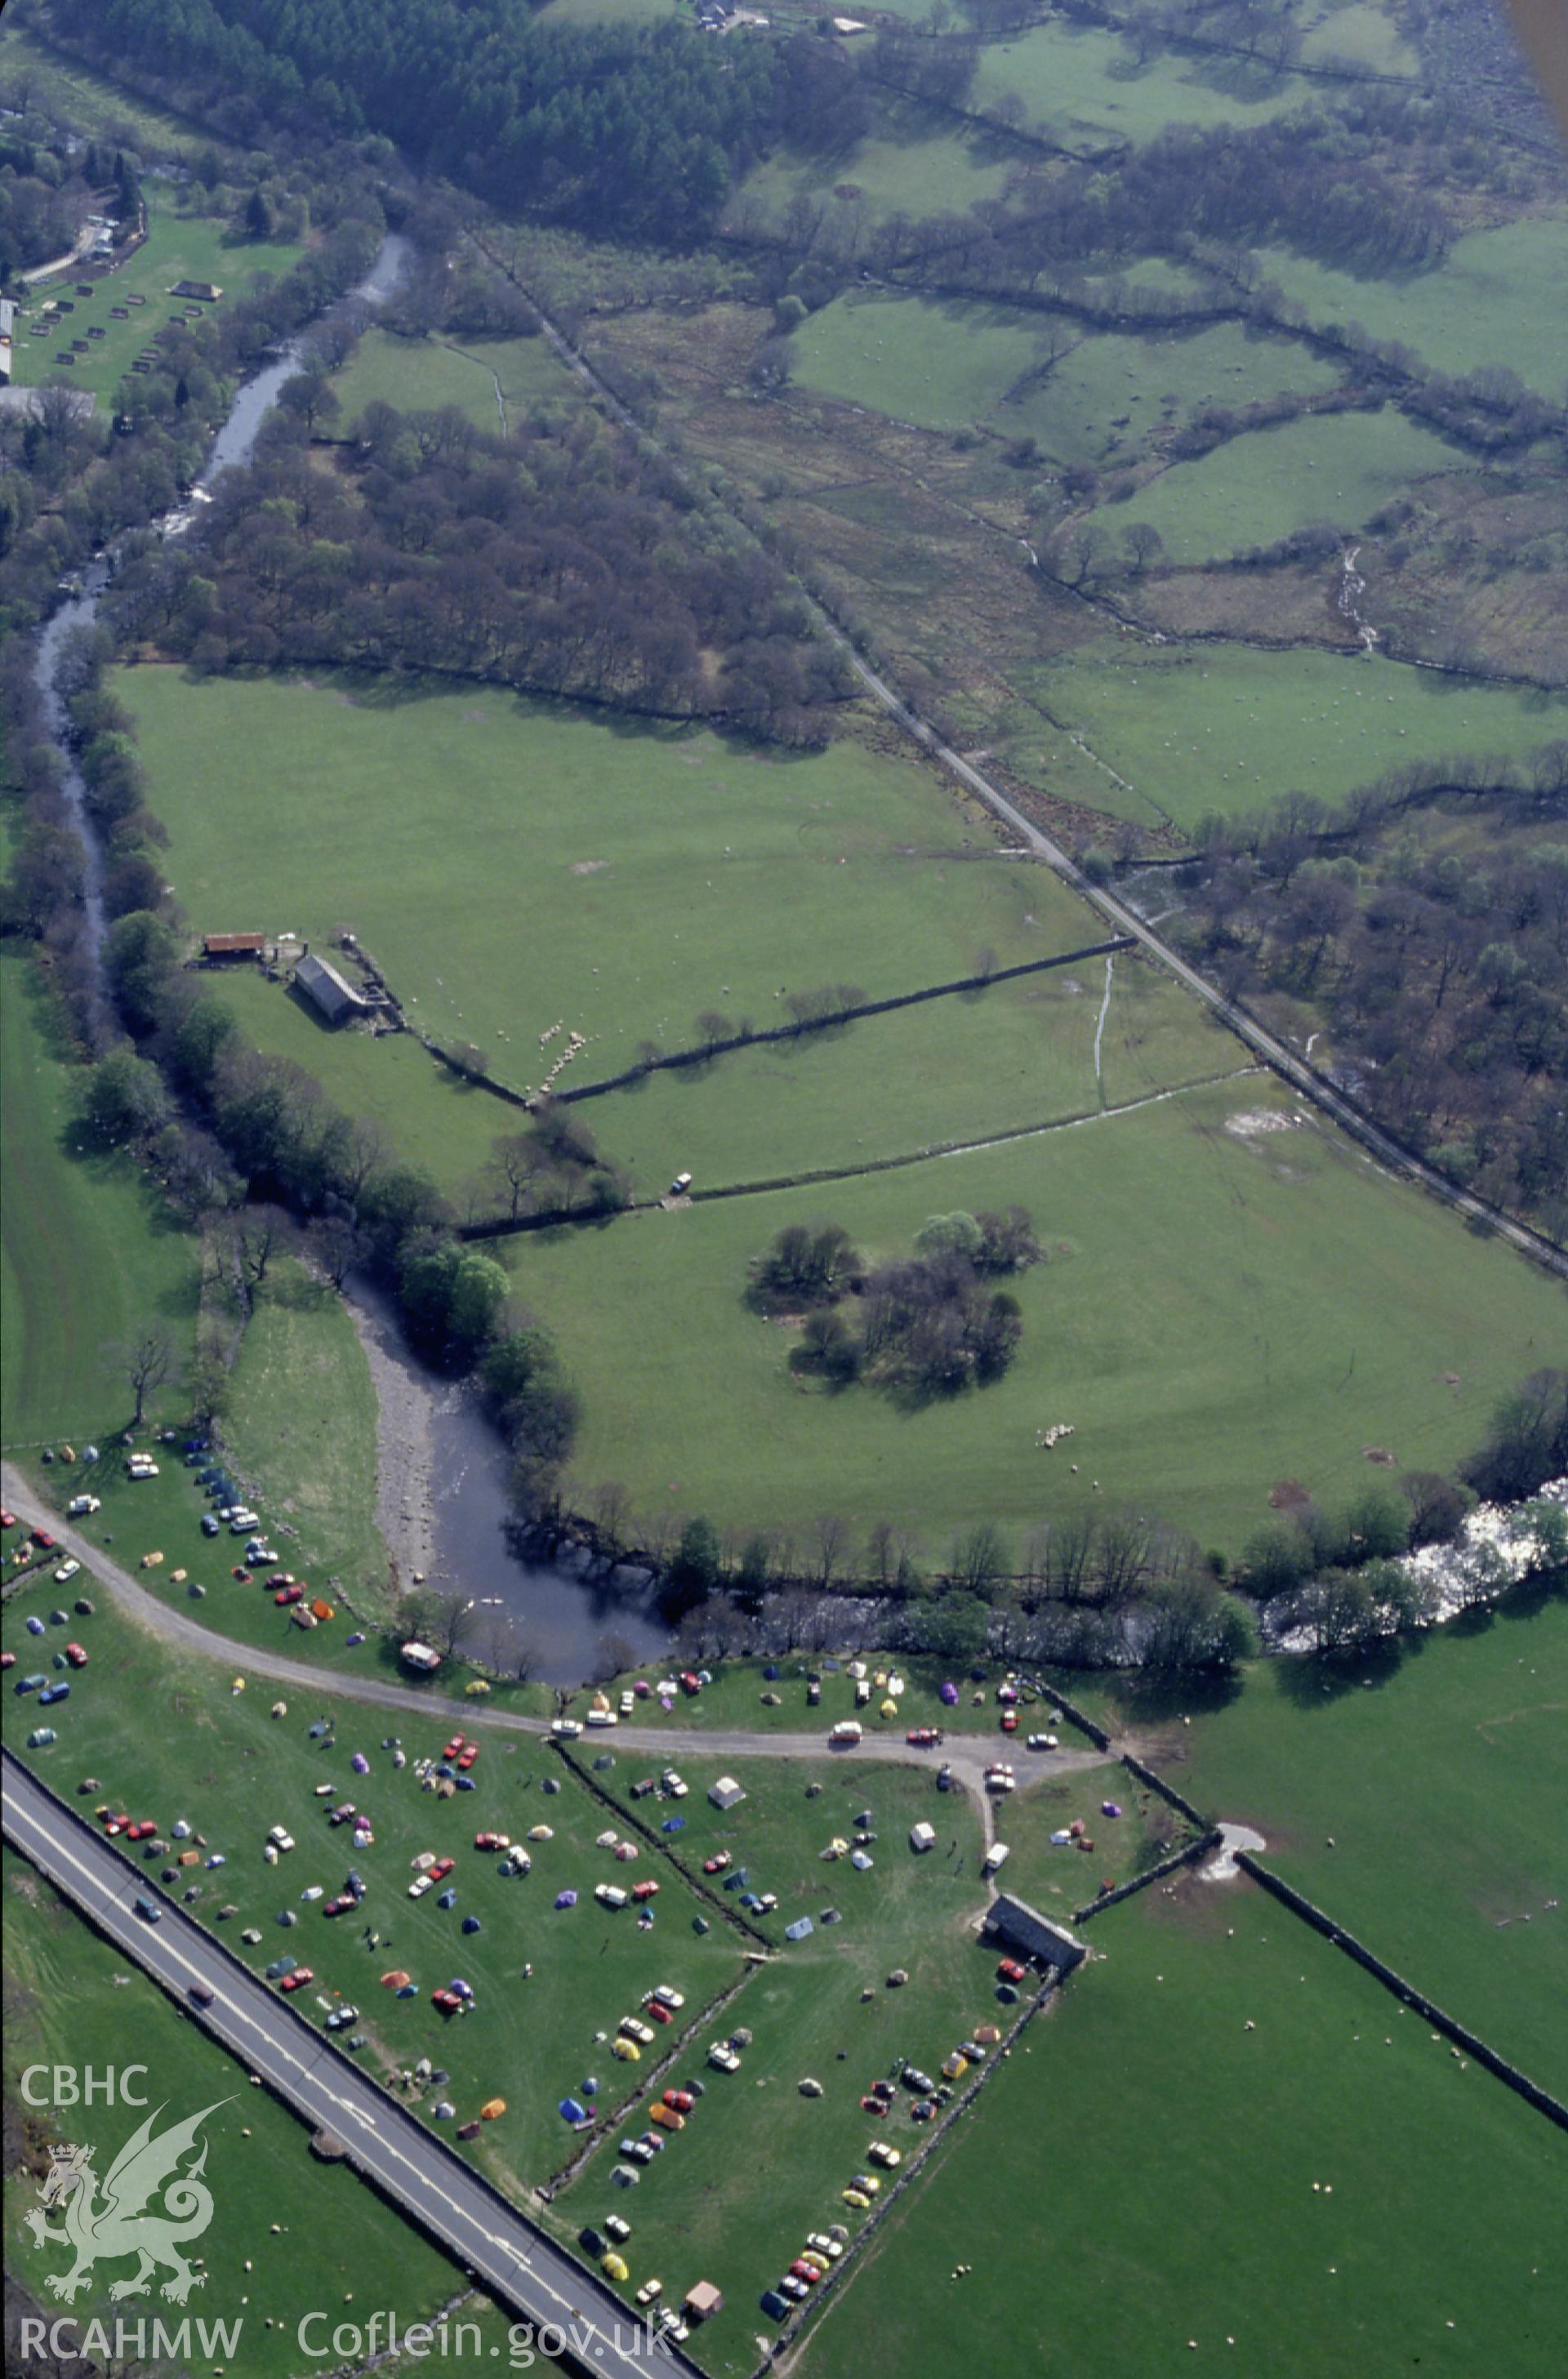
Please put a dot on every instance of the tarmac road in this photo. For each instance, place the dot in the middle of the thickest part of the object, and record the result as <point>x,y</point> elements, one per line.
<point>523,2269</point>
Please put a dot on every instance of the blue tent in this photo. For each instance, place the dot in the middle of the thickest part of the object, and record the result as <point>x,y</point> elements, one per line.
<point>572,2112</point>
<point>470,1924</point>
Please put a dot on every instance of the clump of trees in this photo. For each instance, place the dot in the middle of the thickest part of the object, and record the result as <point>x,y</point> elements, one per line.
<point>553,1167</point>
<point>932,1324</point>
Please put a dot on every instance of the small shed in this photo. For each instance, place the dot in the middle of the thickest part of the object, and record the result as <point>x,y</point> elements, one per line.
<point>725,1792</point>
<point>326,990</point>
<point>922,1837</point>
<point>703,2301</point>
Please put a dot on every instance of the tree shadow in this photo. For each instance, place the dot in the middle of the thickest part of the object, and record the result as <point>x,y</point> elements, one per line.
<point>1308,1680</point>
<point>1157,1700</point>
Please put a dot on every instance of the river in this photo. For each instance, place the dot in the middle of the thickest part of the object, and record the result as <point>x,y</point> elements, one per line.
<point>441,1497</point>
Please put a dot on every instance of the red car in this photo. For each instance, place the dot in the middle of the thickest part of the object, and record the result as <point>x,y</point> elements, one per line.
<point>451,1749</point>
<point>7,1519</point>
<point>922,1737</point>
<point>659,2014</point>
<point>113,1826</point>
<point>1010,1722</point>
<point>242,1574</point>
<point>682,2100</point>
<point>340,1906</point>
<point>690,1683</point>
<point>8,1660</point>
<point>298,1980</point>
<point>287,1594</point>
<point>807,2272</point>
<point>646,1891</point>
<point>44,1540</point>
<point>716,1864</point>
<point>442,1869</point>
<point>447,2002</point>
<point>76,1656</point>
<point>142,1831</point>
<point>468,1756</point>
<point>486,1841</point>
<point>1010,1971</point>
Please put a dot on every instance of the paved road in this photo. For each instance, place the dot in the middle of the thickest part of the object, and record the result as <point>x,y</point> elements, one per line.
<point>968,1755</point>
<point>1302,1077</point>
<point>525,2271</point>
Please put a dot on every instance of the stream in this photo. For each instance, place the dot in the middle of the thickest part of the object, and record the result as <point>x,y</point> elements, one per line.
<point>442,1470</point>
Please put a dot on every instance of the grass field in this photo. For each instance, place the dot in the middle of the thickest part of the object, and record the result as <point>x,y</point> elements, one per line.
<point>58,85</point>
<point>86,1256</point>
<point>1442,1777</point>
<point>513,865</point>
<point>942,363</point>
<point>1153,2186</point>
<point>1232,727</point>
<point>1113,390</point>
<point>178,248</point>
<point>302,1420</point>
<point>1256,488</point>
<point>926,172</point>
<point>741,1695</point>
<point>166,1732</point>
<point>1364,33</point>
<point>71,2000</point>
<point>1017,1054</point>
<point>809,2020</point>
<point>419,374</point>
<point>1200,1360</point>
<point>1083,84</point>
<point>1493,300</point>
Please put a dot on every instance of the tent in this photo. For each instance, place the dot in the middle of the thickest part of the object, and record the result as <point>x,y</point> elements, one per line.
<point>572,2111</point>
<point>949,1694</point>
<point>566,1900</point>
<point>395,1980</point>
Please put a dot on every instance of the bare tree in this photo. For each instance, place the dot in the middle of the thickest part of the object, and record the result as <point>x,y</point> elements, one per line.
<point>257,1234</point>
<point>337,1245</point>
<point>145,1363</point>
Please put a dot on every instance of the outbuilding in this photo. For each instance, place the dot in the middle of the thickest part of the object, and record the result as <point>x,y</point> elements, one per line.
<point>922,1837</point>
<point>703,2301</point>
<point>230,946</point>
<point>326,990</point>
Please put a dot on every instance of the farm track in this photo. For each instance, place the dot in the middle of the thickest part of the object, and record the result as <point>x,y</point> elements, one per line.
<point>968,1756</point>
<point>1402,1161</point>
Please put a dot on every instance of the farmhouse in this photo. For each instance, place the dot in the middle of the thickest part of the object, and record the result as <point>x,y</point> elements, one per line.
<point>326,989</point>
<point>229,947</point>
<point>1013,1925</point>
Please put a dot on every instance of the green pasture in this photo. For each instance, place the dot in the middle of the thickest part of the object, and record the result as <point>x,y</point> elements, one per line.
<point>515,867</point>
<point>1364,33</point>
<point>1260,487</point>
<point>178,248</point>
<point>1225,2148</point>
<point>573,13</point>
<point>1058,1877</point>
<point>809,2021</point>
<point>1440,1774</point>
<point>72,2000</point>
<point>1113,389</point>
<point>433,1118</point>
<point>1084,85</point>
<point>87,1256</point>
<point>56,84</point>
<point>1498,297</point>
<point>1231,728</point>
<point>944,362</point>
<point>927,172</point>
<point>418,374</point>
<point>1233,1297</point>
<point>960,1069</point>
<point>167,1736</point>
<point>303,1419</point>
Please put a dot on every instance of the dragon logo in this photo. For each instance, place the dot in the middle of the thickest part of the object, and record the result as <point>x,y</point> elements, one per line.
<point>103,2221</point>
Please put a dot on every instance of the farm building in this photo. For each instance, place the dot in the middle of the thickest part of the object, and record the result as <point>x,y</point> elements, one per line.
<point>326,990</point>
<point>725,1792</point>
<point>1013,1925</point>
<point>208,291</point>
<point>234,945</point>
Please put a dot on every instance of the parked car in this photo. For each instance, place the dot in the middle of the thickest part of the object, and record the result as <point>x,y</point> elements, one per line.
<point>298,1980</point>
<point>66,1571</point>
<point>568,1727</point>
<point>76,1656</point>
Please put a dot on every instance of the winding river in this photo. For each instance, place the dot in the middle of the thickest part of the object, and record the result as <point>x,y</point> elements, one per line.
<point>446,1465</point>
